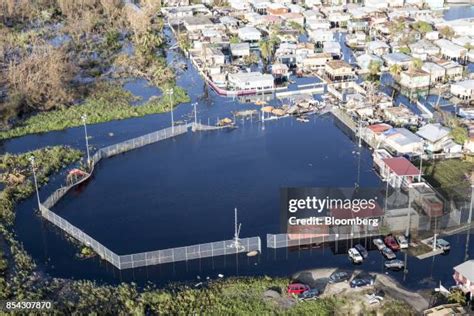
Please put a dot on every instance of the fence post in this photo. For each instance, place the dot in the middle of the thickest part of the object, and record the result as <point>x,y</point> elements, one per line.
<point>212,249</point>
<point>186,253</point>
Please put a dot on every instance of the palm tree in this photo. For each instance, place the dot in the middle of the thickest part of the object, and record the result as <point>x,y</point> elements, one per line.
<point>395,70</point>
<point>416,64</point>
<point>266,49</point>
<point>457,296</point>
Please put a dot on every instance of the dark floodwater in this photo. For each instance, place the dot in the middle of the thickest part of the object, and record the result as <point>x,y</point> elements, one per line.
<point>183,191</point>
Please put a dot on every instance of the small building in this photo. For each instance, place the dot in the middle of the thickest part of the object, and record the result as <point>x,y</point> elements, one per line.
<point>315,61</point>
<point>197,22</point>
<point>446,310</point>
<point>454,71</point>
<point>400,115</point>
<point>464,277</point>
<point>338,70</point>
<point>397,59</point>
<point>280,71</point>
<point>435,136</point>
<point>403,141</point>
<point>293,17</point>
<point>415,79</point>
<point>451,51</point>
<point>399,172</point>
<point>378,48</point>
<point>365,60</point>
<point>436,72</point>
<point>249,34</point>
<point>423,48</point>
<point>374,132</point>
<point>463,90</point>
<point>317,23</point>
<point>240,49</point>
<point>320,36</point>
<point>333,48</point>
<point>251,81</point>
<point>276,9</point>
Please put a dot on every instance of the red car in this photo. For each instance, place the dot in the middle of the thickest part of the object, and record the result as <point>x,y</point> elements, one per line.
<point>391,243</point>
<point>297,288</point>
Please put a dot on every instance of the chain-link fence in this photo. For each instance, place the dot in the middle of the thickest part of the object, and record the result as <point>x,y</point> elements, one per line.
<point>212,249</point>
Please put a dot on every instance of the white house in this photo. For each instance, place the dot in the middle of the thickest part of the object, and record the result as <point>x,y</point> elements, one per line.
<point>423,48</point>
<point>453,69</point>
<point>435,136</point>
<point>320,35</point>
<point>436,72</point>
<point>250,81</point>
<point>415,79</point>
<point>249,33</point>
<point>463,90</point>
<point>378,48</point>
<point>364,60</point>
<point>332,47</point>
<point>397,59</point>
<point>450,50</point>
<point>240,49</point>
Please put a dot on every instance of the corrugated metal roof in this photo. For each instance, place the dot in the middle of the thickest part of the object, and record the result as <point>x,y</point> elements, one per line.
<point>401,166</point>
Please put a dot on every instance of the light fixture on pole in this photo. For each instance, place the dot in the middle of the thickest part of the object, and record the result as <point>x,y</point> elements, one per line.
<point>195,113</point>
<point>33,167</point>
<point>170,93</point>
<point>84,120</point>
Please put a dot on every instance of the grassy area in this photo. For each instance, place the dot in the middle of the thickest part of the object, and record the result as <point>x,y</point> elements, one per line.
<point>16,174</point>
<point>109,103</point>
<point>449,176</point>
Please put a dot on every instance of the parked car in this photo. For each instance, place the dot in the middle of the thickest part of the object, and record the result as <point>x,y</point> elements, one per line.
<point>355,256</point>
<point>391,243</point>
<point>311,294</point>
<point>388,253</point>
<point>379,243</point>
<point>363,281</point>
<point>339,276</point>
<point>402,241</point>
<point>363,252</point>
<point>297,288</point>
<point>394,264</point>
<point>441,244</point>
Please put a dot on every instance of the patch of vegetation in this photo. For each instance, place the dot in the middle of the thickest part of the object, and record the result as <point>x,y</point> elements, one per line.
<point>109,102</point>
<point>16,174</point>
<point>449,176</point>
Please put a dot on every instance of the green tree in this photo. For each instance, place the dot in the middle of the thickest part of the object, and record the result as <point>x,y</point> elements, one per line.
<point>416,64</point>
<point>457,296</point>
<point>234,39</point>
<point>459,134</point>
<point>251,59</point>
<point>395,70</point>
<point>422,27</point>
<point>404,50</point>
<point>297,27</point>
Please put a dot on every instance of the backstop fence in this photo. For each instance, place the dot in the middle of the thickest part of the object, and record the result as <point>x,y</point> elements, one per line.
<point>121,262</point>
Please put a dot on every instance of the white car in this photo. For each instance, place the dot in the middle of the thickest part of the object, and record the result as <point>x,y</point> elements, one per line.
<point>379,243</point>
<point>355,256</point>
<point>402,241</point>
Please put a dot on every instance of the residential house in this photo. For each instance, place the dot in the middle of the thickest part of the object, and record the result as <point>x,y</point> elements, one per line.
<point>400,115</point>
<point>249,34</point>
<point>197,22</point>
<point>423,48</point>
<point>239,5</point>
<point>463,90</point>
<point>319,36</point>
<point>280,71</point>
<point>399,172</point>
<point>276,9</point>
<point>293,17</point>
<point>402,141</point>
<point>338,70</point>
<point>317,23</point>
<point>374,132</point>
<point>446,309</point>
<point>464,277</point>
<point>333,48</point>
<point>315,61</point>
<point>365,60</point>
<point>378,48</point>
<point>451,51</point>
<point>355,25</point>
<point>435,137</point>
<point>250,81</point>
<point>240,49</point>
<point>397,59</point>
<point>454,71</point>
<point>415,79</point>
<point>436,72</point>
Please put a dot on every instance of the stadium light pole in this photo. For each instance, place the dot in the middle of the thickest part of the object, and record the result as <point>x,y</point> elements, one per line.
<point>170,93</point>
<point>84,121</point>
<point>33,167</point>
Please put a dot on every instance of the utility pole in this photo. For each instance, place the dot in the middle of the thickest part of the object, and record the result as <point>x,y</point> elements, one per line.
<point>33,167</point>
<point>407,232</point>
<point>84,121</point>
<point>421,160</point>
<point>469,219</point>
